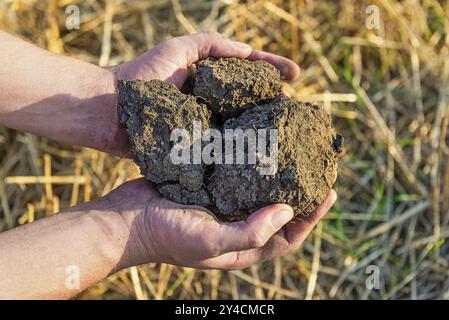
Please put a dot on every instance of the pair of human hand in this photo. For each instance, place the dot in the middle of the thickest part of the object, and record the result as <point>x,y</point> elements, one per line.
<point>163,231</point>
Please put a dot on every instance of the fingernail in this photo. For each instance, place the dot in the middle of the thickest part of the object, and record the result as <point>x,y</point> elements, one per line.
<point>281,217</point>
<point>242,46</point>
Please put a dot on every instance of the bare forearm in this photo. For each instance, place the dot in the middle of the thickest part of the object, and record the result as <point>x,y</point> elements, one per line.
<point>42,260</point>
<point>57,97</point>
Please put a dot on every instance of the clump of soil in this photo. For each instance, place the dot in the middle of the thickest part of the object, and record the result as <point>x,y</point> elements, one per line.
<point>150,111</point>
<point>308,153</point>
<point>229,85</point>
<point>308,147</point>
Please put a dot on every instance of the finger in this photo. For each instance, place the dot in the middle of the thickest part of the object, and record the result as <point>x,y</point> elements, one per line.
<point>212,44</point>
<point>242,259</point>
<point>252,233</point>
<point>289,69</point>
<point>298,230</point>
<point>278,244</point>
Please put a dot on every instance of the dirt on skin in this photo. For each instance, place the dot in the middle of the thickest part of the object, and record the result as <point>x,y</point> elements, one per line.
<point>308,154</point>
<point>308,146</point>
<point>150,111</point>
<point>228,85</point>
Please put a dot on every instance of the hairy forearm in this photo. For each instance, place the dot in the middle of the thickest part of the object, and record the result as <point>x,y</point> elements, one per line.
<point>43,259</point>
<point>57,97</point>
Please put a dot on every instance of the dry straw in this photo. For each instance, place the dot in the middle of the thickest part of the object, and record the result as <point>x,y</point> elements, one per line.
<point>388,92</point>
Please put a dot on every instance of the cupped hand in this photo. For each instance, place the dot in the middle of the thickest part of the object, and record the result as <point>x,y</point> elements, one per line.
<point>164,231</point>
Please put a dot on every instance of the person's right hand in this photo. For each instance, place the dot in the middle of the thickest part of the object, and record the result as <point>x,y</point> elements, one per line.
<point>163,231</point>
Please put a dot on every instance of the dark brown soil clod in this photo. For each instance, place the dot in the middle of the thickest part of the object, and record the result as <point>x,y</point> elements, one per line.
<point>246,94</point>
<point>230,84</point>
<point>307,161</point>
<point>150,110</point>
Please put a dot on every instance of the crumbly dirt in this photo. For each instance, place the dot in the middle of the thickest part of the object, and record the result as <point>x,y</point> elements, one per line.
<point>308,154</point>
<point>230,85</point>
<point>150,111</point>
<point>308,146</point>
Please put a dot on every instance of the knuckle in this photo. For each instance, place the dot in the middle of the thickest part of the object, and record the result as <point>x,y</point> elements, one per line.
<point>212,34</point>
<point>213,250</point>
<point>210,247</point>
<point>169,44</point>
<point>256,240</point>
<point>176,42</point>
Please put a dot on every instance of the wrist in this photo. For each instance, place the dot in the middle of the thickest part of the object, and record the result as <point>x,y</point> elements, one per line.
<point>113,237</point>
<point>111,234</point>
<point>136,250</point>
<point>110,136</point>
<point>129,218</point>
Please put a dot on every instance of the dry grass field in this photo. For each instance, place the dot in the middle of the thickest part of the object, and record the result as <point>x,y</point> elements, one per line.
<point>387,90</point>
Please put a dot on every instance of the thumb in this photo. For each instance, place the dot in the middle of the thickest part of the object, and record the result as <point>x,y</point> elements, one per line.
<point>254,232</point>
